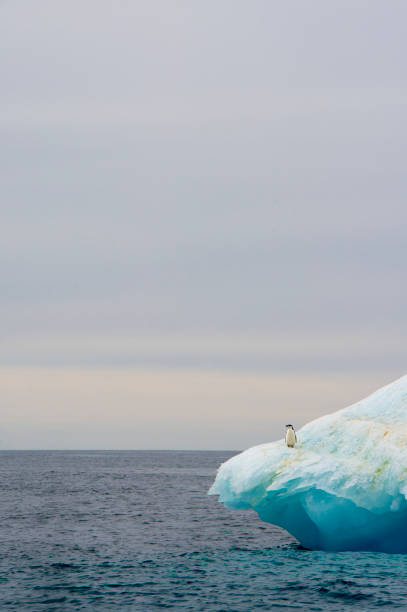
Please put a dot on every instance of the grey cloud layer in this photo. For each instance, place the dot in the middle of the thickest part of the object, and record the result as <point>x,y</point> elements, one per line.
<point>188,166</point>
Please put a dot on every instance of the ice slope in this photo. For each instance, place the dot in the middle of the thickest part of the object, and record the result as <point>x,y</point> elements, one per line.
<point>343,487</point>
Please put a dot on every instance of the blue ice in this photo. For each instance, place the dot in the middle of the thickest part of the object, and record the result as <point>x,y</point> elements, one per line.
<point>343,487</point>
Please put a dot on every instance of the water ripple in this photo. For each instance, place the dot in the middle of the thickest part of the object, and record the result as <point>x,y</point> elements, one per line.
<point>136,531</point>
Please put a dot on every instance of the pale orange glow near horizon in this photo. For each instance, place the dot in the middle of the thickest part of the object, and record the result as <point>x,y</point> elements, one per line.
<point>111,408</point>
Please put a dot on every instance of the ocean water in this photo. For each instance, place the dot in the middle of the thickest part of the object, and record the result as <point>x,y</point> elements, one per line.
<point>137,531</point>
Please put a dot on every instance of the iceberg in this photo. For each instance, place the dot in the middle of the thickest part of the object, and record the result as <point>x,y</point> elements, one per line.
<point>343,486</point>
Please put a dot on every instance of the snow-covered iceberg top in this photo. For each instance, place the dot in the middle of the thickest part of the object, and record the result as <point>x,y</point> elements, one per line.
<point>344,485</point>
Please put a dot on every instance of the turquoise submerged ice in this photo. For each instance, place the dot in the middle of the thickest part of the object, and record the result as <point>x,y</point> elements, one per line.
<point>343,487</point>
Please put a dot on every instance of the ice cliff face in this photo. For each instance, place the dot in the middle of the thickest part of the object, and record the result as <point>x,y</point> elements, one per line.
<point>343,487</point>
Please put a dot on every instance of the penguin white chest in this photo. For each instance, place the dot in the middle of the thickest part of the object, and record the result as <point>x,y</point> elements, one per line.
<point>290,437</point>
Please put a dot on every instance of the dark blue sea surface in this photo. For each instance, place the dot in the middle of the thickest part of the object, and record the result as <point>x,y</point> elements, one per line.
<point>137,531</point>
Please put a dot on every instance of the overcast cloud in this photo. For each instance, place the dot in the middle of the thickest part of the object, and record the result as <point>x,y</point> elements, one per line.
<point>208,185</point>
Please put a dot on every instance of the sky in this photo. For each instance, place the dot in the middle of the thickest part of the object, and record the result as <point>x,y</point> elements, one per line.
<point>203,217</point>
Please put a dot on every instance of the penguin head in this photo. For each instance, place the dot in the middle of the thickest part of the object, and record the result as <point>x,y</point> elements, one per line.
<point>289,427</point>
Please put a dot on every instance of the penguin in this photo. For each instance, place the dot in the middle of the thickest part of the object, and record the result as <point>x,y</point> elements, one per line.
<point>290,436</point>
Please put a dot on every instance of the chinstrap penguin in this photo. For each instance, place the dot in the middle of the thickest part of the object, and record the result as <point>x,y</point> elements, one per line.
<point>290,436</point>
